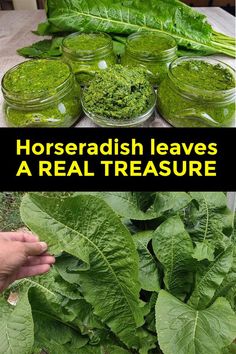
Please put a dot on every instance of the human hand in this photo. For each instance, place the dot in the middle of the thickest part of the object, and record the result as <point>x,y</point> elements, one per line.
<point>22,255</point>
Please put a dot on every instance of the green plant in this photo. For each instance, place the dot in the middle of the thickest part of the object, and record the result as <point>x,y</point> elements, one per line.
<point>135,273</point>
<point>190,28</point>
<point>43,49</point>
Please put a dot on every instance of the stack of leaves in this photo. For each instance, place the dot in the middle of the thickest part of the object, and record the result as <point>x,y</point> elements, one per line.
<point>193,34</point>
<point>135,273</point>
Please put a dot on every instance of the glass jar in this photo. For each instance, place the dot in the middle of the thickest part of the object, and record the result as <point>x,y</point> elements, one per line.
<point>119,97</point>
<point>88,53</point>
<point>41,93</point>
<point>153,51</point>
<point>192,105</point>
<point>122,122</point>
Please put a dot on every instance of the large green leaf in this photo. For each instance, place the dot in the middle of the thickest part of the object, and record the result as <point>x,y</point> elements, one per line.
<point>173,248</point>
<point>145,206</point>
<point>189,28</point>
<point>230,350</point>
<point>85,227</point>
<point>43,49</point>
<point>56,337</point>
<point>229,282</point>
<point>130,205</point>
<point>208,221</point>
<point>148,341</point>
<point>45,299</point>
<point>169,203</point>
<point>70,300</point>
<point>52,318</point>
<point>204,250</point>
<point>148,270</point>
<point>16,327</point>
<point>184,330</point>
<point>209,278</point>
<point>231,297</point>
<point>58,329</point>
<point>150,320</point>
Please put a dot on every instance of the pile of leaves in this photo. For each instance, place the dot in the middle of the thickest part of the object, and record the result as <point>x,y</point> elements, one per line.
<point>193,34</point>
<point>135,273</point>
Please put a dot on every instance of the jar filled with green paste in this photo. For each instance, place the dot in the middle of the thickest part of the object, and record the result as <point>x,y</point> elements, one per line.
<point>41,93</point>
<point>119,97</point>
<point>88,53</point>
<point>198,92</point>
<point>152,51</point>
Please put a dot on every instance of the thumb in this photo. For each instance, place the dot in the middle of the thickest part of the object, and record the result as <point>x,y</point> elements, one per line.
<point>35,248</point>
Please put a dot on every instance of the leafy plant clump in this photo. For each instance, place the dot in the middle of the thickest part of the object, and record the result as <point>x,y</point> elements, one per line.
<point>189,28</point>
<point>135,273</point>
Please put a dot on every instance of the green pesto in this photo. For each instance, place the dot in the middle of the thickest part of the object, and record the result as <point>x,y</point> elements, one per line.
<point>119,93</point>
<point>85,70</point>
<point>63,114</point>
<point>152,51</point>
<point>87,54</point>
<point>204,75</point>
<point>36,77</point>
<point>45,95</point>
<point>150,44</point>
<point>181,111</point>
<point>86,42</point>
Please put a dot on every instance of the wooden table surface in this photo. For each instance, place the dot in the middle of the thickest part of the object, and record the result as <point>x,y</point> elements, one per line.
<point>15,32</point>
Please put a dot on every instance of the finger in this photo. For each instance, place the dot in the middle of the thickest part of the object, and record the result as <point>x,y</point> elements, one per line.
<point>32,271</point>
<point>19,236</point>
<point>37,260</point>
<point>35,248</point>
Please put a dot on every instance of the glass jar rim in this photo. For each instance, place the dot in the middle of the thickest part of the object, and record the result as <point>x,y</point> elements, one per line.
<point>164,54</point>
<point>82,53</point>
<point>42,97</point>
<point>196,90</point>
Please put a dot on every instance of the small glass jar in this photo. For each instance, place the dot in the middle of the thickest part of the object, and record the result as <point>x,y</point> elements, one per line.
<point>152,51</point>
<point>189,105</point>
<point>87,53</point>
<point>58,105</point>
<point>123,122</point>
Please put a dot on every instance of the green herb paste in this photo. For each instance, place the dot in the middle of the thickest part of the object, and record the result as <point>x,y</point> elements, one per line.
<point>119,93</point>
<point>62,114</point>
<point>204,75</point>
<point>41,93</point>
<point>152,51</point>
<point>86,42</point>
<point>35,77</point>
<point>88,53</point>
<point>198,95</point>
<point>150,44</point>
